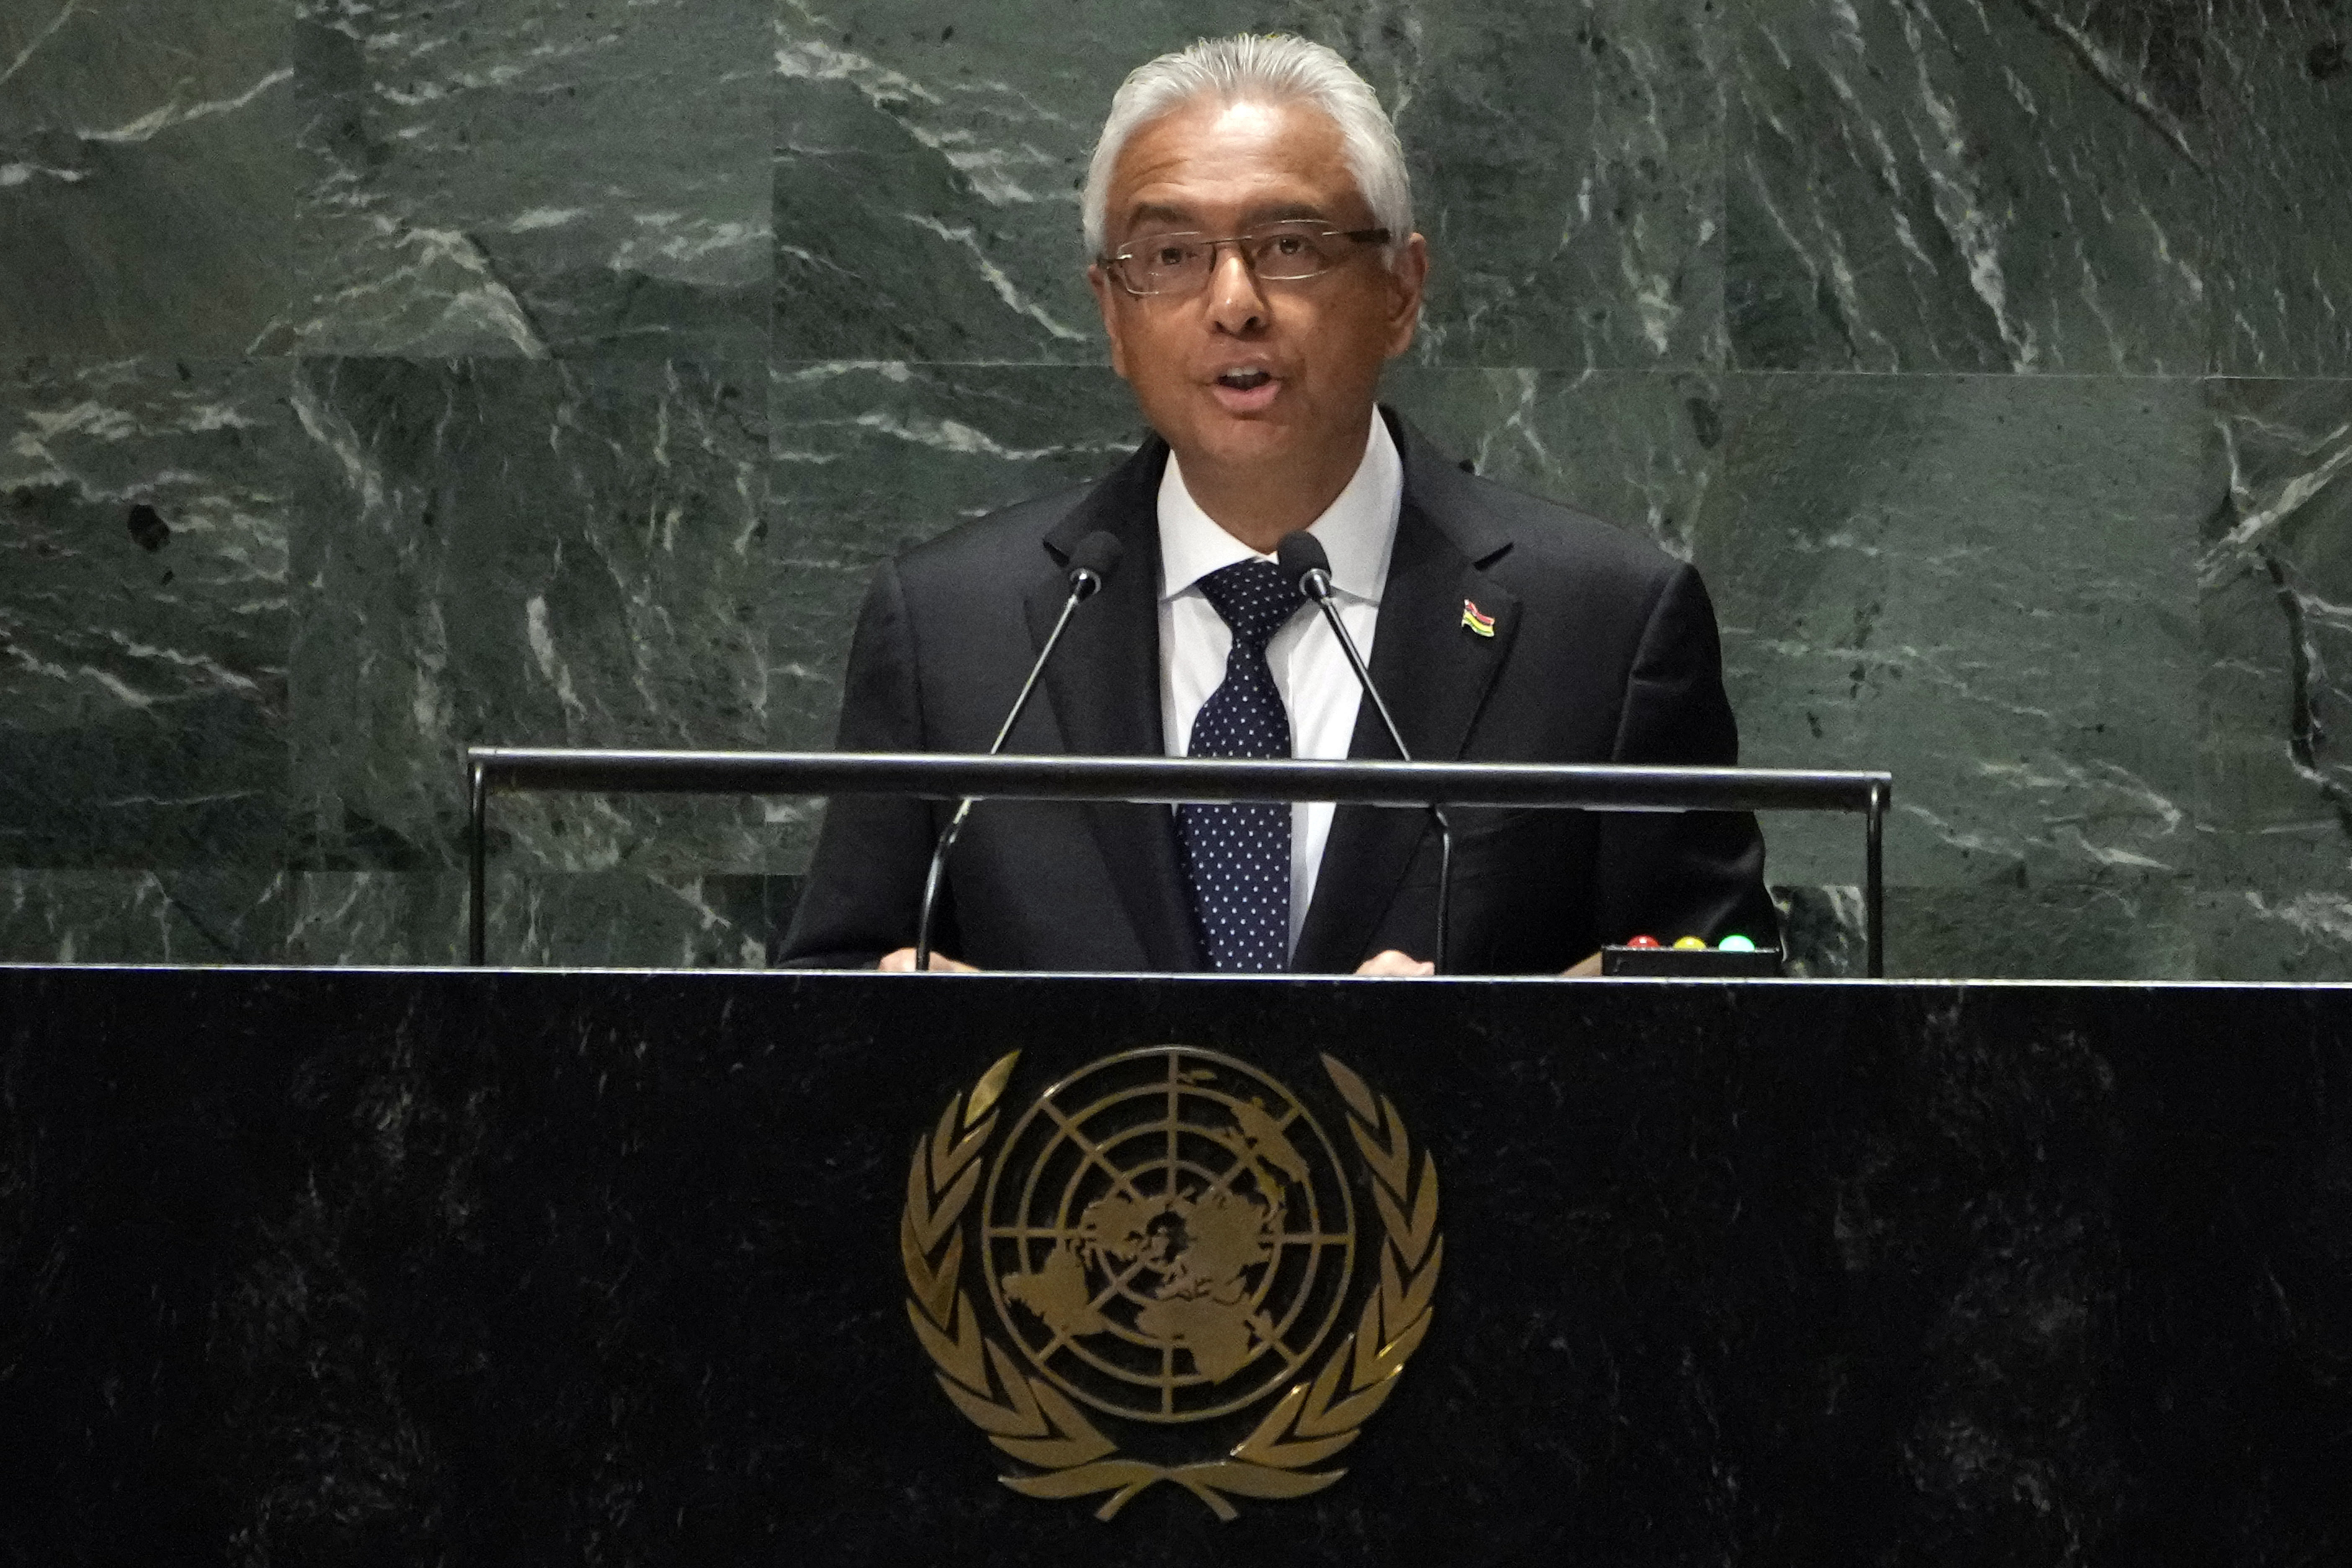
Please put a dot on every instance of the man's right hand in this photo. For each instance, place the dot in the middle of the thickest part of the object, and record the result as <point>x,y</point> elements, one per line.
<point>903,962</point>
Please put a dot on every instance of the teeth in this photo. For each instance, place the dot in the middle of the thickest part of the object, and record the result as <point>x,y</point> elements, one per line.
<point>1245,379</point>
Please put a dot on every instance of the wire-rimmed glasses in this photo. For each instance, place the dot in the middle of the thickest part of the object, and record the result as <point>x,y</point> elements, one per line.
<point>1279,252</point>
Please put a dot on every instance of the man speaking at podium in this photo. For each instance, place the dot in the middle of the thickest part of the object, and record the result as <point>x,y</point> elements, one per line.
<point>1256,262</point>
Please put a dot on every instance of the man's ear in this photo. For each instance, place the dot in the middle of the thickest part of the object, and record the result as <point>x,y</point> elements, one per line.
<point>1408,277</point>
<point>1107,300</point>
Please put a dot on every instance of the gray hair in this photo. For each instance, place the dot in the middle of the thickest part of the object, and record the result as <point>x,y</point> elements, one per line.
<point>1274,69</point>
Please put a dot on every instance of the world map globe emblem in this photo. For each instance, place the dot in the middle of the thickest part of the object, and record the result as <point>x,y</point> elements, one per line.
<point>1168,1234</point>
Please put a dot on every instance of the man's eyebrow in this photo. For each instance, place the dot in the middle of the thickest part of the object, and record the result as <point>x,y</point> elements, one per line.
<point>1153,213</point>
<point>1285,212</point>
<point>1280,212</point>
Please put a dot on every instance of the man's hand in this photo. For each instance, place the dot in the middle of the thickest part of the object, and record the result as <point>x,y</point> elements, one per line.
<point>903,962</point>
<point>1391,962</point>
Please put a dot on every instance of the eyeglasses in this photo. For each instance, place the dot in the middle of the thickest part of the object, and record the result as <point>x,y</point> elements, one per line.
<point>1279,252</point>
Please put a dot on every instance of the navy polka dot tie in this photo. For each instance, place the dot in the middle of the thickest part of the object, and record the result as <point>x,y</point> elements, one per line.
<point>1238,857</point>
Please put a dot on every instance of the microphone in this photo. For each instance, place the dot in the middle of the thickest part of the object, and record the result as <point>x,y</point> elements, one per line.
<point>1091,563</point>
<point>1300,555</point>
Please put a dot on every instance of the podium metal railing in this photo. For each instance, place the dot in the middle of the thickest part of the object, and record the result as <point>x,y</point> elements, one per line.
<point>931,775</point>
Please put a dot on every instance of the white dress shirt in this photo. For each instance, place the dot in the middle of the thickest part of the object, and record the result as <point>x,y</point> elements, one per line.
<point>1310,669</point>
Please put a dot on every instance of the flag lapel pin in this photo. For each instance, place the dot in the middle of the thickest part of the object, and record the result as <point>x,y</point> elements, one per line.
<point>1476,619</point>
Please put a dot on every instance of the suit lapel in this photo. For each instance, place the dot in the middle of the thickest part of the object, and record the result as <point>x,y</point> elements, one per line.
<point>1104,684</point>
<point>1435,672</point>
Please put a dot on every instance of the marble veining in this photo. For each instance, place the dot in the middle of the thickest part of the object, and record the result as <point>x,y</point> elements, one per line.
<point>227,914</point>
<point>602,580</point>
<point>146,175</point>
<point>1639,449</point>
<point>535,917</point>
<point>2008,607</point>
<point>1586,235</point>
<point>927,174</point>
<point>395,374</point>
<point>449,211</point>
<point>2280,81</point>
<point>871,458</point>
<point>1965,185</point>
<point>2274,578</point>
<point>145,515</point>
<point>346,1265</point>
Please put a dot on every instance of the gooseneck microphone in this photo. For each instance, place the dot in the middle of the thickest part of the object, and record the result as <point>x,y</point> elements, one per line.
<point>1301,557</point>
<point>1091,563</point>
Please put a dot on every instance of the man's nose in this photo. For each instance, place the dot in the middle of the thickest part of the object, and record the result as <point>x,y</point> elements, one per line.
<point>1236,303</point>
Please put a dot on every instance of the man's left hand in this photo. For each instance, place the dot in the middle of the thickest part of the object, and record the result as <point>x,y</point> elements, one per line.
<point>1393,963</point>
<point>902,961</point>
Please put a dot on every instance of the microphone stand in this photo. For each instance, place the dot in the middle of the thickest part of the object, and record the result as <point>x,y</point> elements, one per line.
<point>1315,584</point>
<point>1084,582</point>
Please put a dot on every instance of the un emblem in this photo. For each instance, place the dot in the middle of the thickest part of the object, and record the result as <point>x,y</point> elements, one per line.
<point>1167,1238</point>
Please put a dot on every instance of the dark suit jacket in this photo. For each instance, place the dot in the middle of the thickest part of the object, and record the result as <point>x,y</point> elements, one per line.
<point>1604,650</point>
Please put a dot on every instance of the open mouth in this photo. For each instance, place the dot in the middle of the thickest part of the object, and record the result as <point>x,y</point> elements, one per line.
<point>1244,379</point>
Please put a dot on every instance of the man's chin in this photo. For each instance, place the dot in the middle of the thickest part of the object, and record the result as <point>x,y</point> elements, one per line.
<point>1243,440</point>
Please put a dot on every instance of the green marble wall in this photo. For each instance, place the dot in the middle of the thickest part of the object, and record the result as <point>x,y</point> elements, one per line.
<point>379,377</point>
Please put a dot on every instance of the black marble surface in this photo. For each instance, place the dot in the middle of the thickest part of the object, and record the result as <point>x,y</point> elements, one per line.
<point>379,1266</point>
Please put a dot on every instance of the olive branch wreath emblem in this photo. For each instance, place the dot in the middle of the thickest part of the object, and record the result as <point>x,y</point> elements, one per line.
<point>1036,1424</point>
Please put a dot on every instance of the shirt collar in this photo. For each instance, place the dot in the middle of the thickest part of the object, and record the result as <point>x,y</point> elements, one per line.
<point>1356,531</point>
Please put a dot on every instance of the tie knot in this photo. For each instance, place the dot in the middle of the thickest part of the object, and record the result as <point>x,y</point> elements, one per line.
<point>1254,597</point>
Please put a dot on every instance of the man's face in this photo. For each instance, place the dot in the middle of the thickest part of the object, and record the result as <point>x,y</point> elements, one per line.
<point>1248,373</point>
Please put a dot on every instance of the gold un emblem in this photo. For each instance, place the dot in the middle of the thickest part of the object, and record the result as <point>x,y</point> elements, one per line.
<point>1167,1242</point>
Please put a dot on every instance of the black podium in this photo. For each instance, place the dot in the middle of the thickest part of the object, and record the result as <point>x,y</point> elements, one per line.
<point>475,1267</point>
